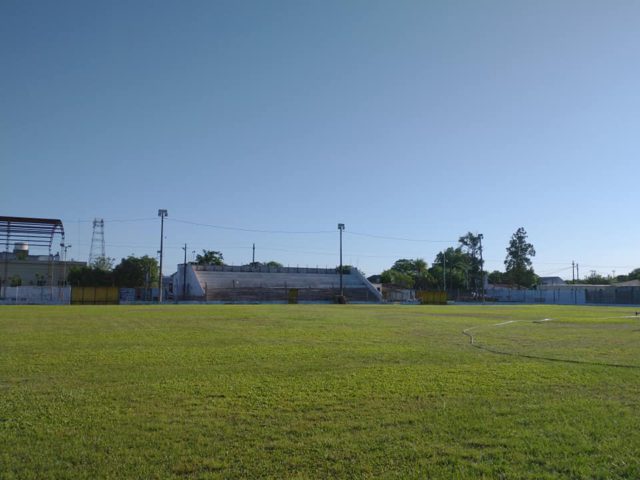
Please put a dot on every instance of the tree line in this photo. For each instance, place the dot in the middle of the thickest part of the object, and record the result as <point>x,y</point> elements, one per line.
<point>461,267</point>
<point>131,272</point>
<point>136,272</point>
<point>594,278</point>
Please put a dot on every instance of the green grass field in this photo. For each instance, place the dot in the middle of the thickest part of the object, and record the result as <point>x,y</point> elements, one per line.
<point>309,391</point>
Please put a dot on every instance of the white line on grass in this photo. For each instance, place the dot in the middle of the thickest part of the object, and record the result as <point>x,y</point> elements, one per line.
<point>472,342</point>
<point>506,323</point>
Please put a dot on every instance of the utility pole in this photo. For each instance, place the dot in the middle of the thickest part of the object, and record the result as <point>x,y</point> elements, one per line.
<point>161,213</point>
<point>444,272</point>
<point>253,257</point>
<point>573,271</point>
<point>64,262</point>
<point>341,228</point>
<point>480,237</point>
<point>146,283</point>
<point>578,271</point>
<point>184,274</point>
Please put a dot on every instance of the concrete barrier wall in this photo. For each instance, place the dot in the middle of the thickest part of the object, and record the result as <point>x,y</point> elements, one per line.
<point>615,295</point>
<point>36,295</point>
<point>560,296</point>
<point>569,295</point>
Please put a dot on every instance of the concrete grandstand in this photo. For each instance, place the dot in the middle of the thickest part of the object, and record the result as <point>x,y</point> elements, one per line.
<point>252,284</point>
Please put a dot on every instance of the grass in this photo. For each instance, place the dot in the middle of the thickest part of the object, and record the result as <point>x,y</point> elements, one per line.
<point>308,391</point>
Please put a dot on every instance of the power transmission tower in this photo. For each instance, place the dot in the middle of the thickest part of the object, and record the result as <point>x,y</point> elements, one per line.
<point>97,241</point>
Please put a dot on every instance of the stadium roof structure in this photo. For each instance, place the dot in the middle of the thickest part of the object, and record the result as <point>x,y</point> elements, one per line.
<point>38,232</point>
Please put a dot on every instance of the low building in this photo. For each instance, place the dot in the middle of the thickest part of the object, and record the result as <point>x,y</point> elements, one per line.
<point>19,268</point>
<point>397,293</point>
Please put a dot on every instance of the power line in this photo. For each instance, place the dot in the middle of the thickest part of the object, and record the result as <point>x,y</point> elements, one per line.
<point>383,237</point>
<point>298,232</point>
<point>251,230</point>
<point>122,220</point>
<point>607,266</point>
<point>551,272</point>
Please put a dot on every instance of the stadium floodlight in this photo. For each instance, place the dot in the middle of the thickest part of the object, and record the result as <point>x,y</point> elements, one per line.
<point>341,229</point>
<point>161,213</point>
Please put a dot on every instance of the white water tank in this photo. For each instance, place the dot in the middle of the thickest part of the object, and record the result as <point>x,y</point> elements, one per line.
<point>21,247</point>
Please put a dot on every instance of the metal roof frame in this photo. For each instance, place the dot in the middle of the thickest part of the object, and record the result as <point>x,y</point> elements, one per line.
<point>37,232</point>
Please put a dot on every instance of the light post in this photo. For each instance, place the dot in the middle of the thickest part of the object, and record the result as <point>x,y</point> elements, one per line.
<point>161,213</point>
<point>64,261</point>
<point>480,237</point>
<point>341,229</point>
<point>184,274</point>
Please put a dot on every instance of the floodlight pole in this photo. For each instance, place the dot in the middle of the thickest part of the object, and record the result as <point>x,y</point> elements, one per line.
<point>480,237</point>
<point>341,228</point>
<point>161,213</point>
<point>64,262</point>
<point>184,274</point>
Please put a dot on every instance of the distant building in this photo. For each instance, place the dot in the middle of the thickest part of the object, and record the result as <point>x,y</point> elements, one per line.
<point>19,268</point>
<point>391,292</point>
<point>551,281</point>
<point>397,293</point>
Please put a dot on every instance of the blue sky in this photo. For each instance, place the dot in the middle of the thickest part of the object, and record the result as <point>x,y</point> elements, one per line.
<point>412,121</point>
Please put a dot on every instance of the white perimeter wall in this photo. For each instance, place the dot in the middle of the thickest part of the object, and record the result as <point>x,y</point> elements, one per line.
<point>36,295</point>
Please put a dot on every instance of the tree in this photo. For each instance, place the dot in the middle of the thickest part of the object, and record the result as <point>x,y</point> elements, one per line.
<point>496,277</point>
<point>98,274</point>
<point>103,263</point>
<point>409,274</point>
<point>90,277</point>
<point>269,264</point>
<point>136,272</point>
<point>407,266</point>
<point>518,269</point>
<point>472,245</point>
<point>209,257</point>
<point>423,279</point>
<point>595,278</point>
<point>397,277</point>
<point>634,274</point>
<point>456,265</point>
